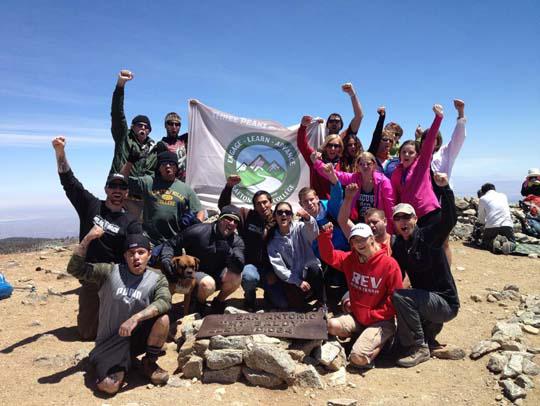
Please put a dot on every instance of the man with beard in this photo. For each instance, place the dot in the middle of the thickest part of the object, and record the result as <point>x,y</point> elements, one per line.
<point>127,140</point>
<point>110,215</point>
<point>253,228</point>
<point>220,252</point>
<point>174,142</point>
<point>169,204</point>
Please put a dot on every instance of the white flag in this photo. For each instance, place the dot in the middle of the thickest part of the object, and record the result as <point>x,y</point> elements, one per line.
<point>262,152</point>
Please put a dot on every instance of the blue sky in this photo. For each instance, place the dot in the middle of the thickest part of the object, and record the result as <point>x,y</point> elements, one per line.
<point>274,60</point>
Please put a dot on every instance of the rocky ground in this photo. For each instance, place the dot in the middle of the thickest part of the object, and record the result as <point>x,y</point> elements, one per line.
<point>44,363</point>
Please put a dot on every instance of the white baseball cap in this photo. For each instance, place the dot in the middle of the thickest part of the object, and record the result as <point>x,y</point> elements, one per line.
<point>361,230</point>
<point>533,172</point>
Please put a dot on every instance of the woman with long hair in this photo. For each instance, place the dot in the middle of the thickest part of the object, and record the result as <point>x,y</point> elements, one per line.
<point>330,151</point>
<point>411,180</point>
<point>375,189</point>
<point>352,148</point>
<point>290,253</point>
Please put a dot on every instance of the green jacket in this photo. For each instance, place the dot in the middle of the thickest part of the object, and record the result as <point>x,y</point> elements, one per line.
<point>125,139</point>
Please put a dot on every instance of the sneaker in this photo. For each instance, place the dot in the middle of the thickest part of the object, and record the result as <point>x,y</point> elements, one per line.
<point>497,247</point>
<point>507,247</point>
<point>153,371</point>
<point>416,356</point>
<point>112,383</point>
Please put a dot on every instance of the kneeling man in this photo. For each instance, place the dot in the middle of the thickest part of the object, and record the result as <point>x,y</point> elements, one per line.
<point>134,301</point>
<point>372,277</point>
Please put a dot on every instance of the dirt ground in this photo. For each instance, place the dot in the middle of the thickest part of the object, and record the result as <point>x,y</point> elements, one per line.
<point>47,328</point>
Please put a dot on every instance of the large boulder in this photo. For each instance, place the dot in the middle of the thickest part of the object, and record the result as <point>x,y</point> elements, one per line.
<point>271,359</point>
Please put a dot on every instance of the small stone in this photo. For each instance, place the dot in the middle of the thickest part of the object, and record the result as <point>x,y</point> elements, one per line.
<point>499,397</point>
<point>496,363</point>
<point>512,345</point>
<point>511,390</point>
<point>449,352</point>
<point>530,368</point>
<point>342,402</point>
<point>511,330</point>
<point>225,376</point>
<point>308,377</point>
<point>306,346</point>
<point>476,298</point>
<point>150,386</point>
<point>515,288</point>
<point>261,378</point>
<point>491,299</point>
<point>200,346</point>
<point>530,329</point>
<point>533,350</point>
<point>221,359</point>
<point>185,352</point>
<point>230,342</point>
<point>338,362</point>
<point>43,257</point>
<point>337,378</point>
<point>460,268</point>
<point>175,382</point>
<point>297,355</point>
<point>351,385</point>
<point>524,381</point>
<point>271,359</point>
<point>35,323</point>
<point>329,351</point>
<point>234,310</point>
<point>193,368</point>
<point>483,347</point>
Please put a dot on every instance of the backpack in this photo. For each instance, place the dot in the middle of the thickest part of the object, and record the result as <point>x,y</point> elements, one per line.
<point>5,288</point>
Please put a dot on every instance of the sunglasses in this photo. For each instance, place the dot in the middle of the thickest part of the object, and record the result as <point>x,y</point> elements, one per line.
<point>284,212</point>
<point>333,146</point>
<point>398,217</point>
<point>173,123</point>
<point>121,186</point>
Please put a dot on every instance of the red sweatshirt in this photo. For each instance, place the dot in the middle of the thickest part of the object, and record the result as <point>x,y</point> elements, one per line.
<point>370,284</point>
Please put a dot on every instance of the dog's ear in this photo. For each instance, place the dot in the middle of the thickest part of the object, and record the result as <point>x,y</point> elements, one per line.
<point>177,264</point>
<point>197,262</point>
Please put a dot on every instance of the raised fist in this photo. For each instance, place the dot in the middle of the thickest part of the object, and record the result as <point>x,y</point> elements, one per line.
<point>302,213</point>
<point>233,180</point>
<point>59,143</point>
<point>441,179</point>
<point>327,227</point>
<point>438,110</point>
<point>315,155</point>
<point>348,88</point>
<point>350,190</point>
<point>381,111</point>
<point>306,120</point>
<point>95,232</point>
<point>124,76</point>
<point>460,107</point>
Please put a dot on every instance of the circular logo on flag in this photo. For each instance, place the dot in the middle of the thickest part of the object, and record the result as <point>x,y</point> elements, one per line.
<point>263,162</point>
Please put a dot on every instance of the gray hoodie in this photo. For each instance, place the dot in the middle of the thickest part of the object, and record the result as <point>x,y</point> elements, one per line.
<point>290,254</point>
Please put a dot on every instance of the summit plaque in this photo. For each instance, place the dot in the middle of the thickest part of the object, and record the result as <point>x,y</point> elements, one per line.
<point>308,326</point>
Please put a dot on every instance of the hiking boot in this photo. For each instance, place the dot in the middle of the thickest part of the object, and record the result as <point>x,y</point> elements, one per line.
<point>507,247</point>
<point>497,247</point>
<point>112,383</point>
<point>153,371</point>
<point>416,356</point>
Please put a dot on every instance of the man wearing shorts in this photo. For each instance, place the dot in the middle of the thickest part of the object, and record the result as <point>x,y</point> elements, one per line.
<point>372,277</point>
<point>133,320</point>
<point>220,251</point>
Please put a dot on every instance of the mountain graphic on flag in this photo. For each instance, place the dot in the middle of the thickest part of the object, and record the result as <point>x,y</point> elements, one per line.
<point>259,170</point>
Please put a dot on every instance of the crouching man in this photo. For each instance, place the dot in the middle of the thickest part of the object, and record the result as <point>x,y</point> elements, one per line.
<point>134,301</point>
<point>372,277</point>
<point>433,299</point>
<point>220,251</point>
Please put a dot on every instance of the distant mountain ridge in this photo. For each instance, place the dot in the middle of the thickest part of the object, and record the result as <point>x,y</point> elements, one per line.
<point>24,244</point>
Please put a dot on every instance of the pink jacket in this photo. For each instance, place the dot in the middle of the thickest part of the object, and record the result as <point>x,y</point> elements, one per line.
<point>416,188</point>
<point>382,190</point>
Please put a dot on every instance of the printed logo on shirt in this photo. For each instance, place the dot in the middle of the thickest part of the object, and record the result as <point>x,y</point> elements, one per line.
<point>129,294</point>
<point>264,162</point>
<point>366,284</point>
<point>168,197</point>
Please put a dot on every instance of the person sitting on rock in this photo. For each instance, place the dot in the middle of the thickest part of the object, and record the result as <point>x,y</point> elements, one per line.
<point>134,301</point>
<point>494,214</point>
<point>109,213</point>
<point>433,298</point>
<point>531,184</point>
<point>372,277</point>
<point>253,228</point>
<point>220,251</point>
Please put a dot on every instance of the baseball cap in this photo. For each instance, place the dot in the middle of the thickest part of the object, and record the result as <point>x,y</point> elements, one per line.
<point>167,156</point>
<point>142,119</point>
<point>404,208</point>
<point>533,172</point>
<point>361,230</point>
<point>116,177</point>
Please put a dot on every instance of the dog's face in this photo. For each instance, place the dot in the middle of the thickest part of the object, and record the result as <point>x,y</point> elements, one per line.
<point>186,266</point>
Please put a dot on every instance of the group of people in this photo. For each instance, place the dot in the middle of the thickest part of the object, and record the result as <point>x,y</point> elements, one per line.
<point>373,225</point>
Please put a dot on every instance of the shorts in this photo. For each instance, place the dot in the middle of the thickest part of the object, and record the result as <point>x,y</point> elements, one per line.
<point>199,275</point>
<point>371,338</point>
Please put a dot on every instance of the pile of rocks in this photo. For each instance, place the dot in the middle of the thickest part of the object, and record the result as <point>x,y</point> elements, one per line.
<point>511,357</point>
<point>258,359</point>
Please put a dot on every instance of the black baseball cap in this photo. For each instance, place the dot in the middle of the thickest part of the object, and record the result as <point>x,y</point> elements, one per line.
<point>114,177</point>
<point>136,241</point>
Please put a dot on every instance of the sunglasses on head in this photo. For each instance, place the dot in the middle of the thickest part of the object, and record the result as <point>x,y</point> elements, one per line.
<point>115,185</point>
<point>173,123</point>
<point>333,146</point>
<point>398,217</point>
<point>284,212</point>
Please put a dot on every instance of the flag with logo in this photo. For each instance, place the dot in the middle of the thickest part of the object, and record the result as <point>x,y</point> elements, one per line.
<point>262,152</point>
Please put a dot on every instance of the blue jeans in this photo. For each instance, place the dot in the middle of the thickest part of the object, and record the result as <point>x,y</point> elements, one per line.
<point>253,277</point>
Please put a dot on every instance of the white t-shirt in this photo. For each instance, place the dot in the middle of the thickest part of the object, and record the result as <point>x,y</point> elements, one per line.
<point>493,210</point>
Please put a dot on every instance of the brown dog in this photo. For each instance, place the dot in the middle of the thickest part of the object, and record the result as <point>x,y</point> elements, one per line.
<point>185,266</point>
